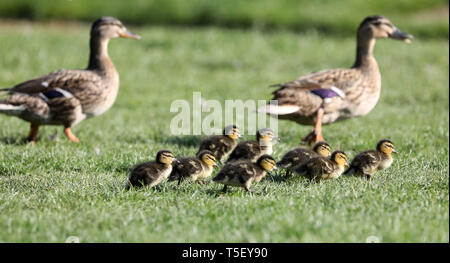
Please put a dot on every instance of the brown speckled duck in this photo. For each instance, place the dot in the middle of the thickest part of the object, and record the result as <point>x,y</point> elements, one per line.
<point>152,173</point>
<point>328,96</point>
<point>221,145</point>
<point>368,162</point>
<point>66,97</point>
<point>323,168</point>
<point>301,155</point>
<point>244,173</point>
<point>252,150</point>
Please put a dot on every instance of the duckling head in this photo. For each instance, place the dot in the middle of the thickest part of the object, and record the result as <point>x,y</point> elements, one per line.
<point>165,157</point>
<point>267,162</point>
<point>208,158</point>
<point>386,147</point>
<point>265,136</point>
<point>322,148</point>
<point>232,131</point>
<point>380,27</point>
<point>109,27</point>
<point>340,158</point>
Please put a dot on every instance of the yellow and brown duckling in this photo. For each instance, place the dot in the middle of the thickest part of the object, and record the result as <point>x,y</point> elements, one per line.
<point>244,173</point>
<point>368,162</point>
<point>300,155</point>
<point>322,168</point>
<point>221,145</point>
<point>66,97</point>
<point>327,96</point>
<point>152,173</point>
<point>252,150</point>
<point>194,168</point>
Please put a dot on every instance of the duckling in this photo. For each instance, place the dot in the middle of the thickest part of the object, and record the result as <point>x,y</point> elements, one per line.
<point>368,162</point>
<point>221,145</point>
<point>194,168</point>
<point>244,173</point>
<point>152,173</point>
<point>300,155</point>
<point>327,96</point>
<point>252,150</point>
<point>66,97</point>
<point>320,168</point>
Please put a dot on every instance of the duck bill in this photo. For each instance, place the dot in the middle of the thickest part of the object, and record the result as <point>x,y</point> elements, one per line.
<point>276,139</point>
<point>276,168</point>
<point>394,151</point>
<point>346,165</point>
<point>399,35</point>
<point>129,34</point>
<point>216,165</point>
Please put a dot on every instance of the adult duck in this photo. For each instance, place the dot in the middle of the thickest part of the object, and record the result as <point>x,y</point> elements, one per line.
<point>332,95</point>
<point>66,97</point>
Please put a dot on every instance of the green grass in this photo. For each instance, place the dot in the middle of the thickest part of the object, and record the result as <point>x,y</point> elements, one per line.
<point>424,18</point>
<point>58,189</point>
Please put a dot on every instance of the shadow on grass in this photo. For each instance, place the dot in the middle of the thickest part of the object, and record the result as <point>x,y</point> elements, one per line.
<point>187,141</point>
<point>16,140</point>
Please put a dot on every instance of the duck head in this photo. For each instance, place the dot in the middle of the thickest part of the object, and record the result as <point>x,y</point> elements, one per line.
<point>386,147</point>
<point>110,27</point>
<point>377,26</point>
<point>165,157</point>
<point>322,148</point>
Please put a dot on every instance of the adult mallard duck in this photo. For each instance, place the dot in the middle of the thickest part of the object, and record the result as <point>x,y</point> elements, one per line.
<point>152,173</point>
<point>66,97</point>
<point>333,95</point>
<point>368,162</point>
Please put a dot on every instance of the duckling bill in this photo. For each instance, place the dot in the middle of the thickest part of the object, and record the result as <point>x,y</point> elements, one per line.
<point>244,173</point>
<point>67,97</point>
<point>368,162</point>
<point>152,173</point>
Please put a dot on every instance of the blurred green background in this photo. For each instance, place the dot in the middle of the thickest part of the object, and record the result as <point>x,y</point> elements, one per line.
<point>425,18</point>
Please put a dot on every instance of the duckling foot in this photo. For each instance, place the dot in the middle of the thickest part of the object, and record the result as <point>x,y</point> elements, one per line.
<point>32,135</point>
<point>70,135</point>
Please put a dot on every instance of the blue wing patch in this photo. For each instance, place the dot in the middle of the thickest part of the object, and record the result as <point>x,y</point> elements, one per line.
<point>325,93</point>
<point>51,94</point>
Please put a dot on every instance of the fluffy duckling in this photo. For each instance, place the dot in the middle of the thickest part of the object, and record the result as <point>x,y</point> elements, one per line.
<point>368,162</point>
<point>252,150</point>
<point>66,97</point>
<point>320,168</point>
<point>221,145</point>
<point>244,173</point>
<point>194,168</point>
<point>152,173</point>
<point>300,155</point>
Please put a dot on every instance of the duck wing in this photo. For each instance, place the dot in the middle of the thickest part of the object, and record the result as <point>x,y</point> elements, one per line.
<point>81,83</point>
<point>305,95</point>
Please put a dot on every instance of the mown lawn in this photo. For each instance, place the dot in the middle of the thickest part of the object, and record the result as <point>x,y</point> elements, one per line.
<point>58,189</point>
